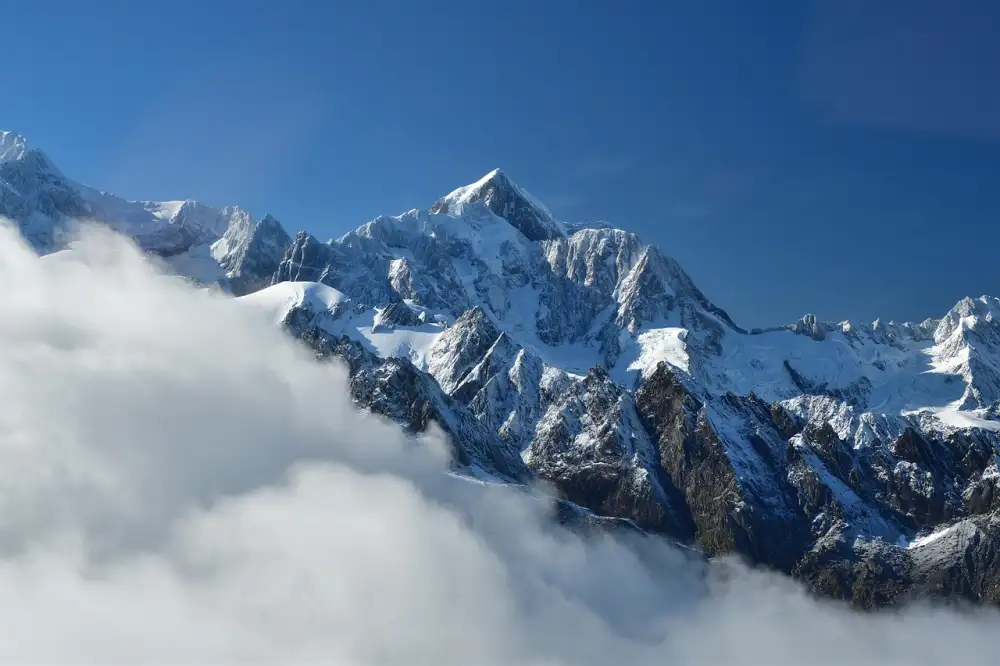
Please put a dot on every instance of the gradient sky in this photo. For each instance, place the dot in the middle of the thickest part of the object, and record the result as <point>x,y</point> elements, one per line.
<point>840,158</point>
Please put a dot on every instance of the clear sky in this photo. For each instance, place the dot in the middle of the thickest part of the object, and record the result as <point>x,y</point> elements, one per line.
<point>840,157</point>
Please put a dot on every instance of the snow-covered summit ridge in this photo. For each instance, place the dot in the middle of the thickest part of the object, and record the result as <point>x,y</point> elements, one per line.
<point>965,314</point>
<point>12,146</point>
<point>571,300</point>
<point>878,330</point>
<point>507,200</point>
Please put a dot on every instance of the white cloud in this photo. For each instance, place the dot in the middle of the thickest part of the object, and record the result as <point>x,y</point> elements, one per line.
<point>180,484</point>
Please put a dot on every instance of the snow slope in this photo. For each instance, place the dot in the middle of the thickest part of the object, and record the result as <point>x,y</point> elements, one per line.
<point>336,314</point>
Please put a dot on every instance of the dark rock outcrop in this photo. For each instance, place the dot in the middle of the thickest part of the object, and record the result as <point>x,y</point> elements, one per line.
<point>396,389</point>
<point>733,482</point>
<point>592,449</point>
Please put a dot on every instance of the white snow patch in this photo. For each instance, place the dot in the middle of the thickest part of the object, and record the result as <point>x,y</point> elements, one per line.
<point>661,344</point>
<point>934,536</point>
<point>277,300</point>
<point>958,418</point>
<point>412,342</point>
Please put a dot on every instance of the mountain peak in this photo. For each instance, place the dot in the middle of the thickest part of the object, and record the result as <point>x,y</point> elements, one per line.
<point>23,166</point>
<point>12,146</point>
<point>479,190</point>
<point>496,173</point>
<point>505,199</point>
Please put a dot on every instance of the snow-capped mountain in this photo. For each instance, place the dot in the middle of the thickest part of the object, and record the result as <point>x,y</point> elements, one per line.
<point>862,458</point>
<point>209,245</point>
<point>593,354</point>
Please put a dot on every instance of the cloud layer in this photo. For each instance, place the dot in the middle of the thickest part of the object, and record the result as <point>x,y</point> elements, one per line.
<point>181,484</point>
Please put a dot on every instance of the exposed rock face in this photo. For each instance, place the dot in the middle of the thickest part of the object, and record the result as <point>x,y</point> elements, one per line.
<point>810,326</point>
<point>732,479</point>
<point>397,390</point>
<point>249,252</point>
<point>393,315</point>
<point>592,447</point>
<point>462,347</point>
<point>961,562</point>
<point>958,562</point>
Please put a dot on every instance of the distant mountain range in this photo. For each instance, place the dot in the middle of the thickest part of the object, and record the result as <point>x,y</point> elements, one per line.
<point>861,458</point>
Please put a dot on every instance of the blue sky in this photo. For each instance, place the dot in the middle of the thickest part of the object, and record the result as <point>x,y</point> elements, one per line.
<point>839,157</point>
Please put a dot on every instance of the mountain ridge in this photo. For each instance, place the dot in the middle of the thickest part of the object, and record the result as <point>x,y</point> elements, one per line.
<point>13,147</point>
